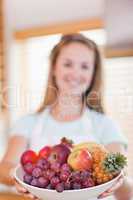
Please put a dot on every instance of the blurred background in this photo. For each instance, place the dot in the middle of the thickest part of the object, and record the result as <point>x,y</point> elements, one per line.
<point>28,31</point>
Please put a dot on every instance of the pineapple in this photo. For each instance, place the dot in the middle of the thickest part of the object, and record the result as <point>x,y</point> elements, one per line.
<point>105,165</point>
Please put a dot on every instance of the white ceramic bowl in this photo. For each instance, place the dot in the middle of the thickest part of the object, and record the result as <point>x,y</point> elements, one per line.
<point>81,194</point>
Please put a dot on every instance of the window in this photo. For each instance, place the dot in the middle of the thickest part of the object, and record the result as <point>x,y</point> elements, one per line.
<point>118,97</point>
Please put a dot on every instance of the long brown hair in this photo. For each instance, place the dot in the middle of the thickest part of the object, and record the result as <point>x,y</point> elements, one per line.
<point>92,96</point>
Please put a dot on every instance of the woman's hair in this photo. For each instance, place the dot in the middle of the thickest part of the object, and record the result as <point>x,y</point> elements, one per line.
<point>92,97</point>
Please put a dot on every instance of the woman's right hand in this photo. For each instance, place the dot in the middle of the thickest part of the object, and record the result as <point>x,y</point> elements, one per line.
<point>5,168</point>
<point>7,178</point>
<point>23,191</point>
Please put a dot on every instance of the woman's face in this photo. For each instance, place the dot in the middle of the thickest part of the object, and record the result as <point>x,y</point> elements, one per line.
<point>74,68</point>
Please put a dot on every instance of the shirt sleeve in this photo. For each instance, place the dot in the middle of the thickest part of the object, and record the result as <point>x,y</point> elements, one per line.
<point>111,132</point>
<point>23,126</point>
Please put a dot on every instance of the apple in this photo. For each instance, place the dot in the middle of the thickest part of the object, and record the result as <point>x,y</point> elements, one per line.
<point>59,154</point>
<point>80,159</point>
<point>28,156</point>
<point>45,152</point>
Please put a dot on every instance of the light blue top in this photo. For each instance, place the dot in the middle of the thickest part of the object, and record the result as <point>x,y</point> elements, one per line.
<point>91,126</point>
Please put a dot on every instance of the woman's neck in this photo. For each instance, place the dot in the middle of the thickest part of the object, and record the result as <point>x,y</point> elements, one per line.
<point>67,107</point>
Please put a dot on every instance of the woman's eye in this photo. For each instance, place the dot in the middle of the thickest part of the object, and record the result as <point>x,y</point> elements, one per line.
<point>85,67</point>
<point>67,64</point>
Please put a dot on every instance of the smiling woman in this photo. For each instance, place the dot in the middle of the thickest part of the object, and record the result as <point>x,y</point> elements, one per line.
<point>75,75</point>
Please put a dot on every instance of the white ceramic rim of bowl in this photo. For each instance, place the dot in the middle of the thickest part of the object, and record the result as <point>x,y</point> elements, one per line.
<point>50,190</point>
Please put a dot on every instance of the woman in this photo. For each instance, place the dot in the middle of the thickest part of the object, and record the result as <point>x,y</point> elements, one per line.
<point>72,108</point>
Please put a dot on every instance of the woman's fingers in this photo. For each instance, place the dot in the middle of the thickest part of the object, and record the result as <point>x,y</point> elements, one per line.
<point>29,195</point>
<point>23,191</point>
<point>105,194</point>
<point>114,187</point>
<point>19,188</point>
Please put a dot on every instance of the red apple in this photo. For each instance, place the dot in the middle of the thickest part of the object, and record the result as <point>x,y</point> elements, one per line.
<point>28,156</point>
<point>80,159</point>
<point>59,154</point>
<point>45,152</point>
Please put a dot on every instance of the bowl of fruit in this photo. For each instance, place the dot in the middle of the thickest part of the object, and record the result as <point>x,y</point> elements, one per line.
<point>67,171</point>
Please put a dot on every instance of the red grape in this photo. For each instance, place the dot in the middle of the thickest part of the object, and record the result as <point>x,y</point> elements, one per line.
<point>54,181</point>
<point>37,172</point>
<point>65,167</point>
<point>67,185</point>
<point>86,174</point>
<point>34,182</point>
<point>76,176</point>
<point>49,187</point>
<point>60,187</point>
<point>43,182</point>
<point>49,174</point>
<point>55,166</point>
<point>41,162</point>
<point>76,186</point>
<point>46,166</point>
<point>27,178</point>
<point>88,183</point>
<point>64,175</point>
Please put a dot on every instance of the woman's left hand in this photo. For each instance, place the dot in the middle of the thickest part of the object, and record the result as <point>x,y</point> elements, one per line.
<point>111,190</point>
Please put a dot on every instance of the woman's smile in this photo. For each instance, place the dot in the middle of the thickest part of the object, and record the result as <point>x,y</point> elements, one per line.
<point>71,82</point>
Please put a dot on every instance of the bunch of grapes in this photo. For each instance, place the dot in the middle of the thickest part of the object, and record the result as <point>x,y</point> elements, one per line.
<point>56,176</point>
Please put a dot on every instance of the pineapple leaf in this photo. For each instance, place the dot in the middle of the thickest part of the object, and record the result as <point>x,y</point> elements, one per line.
<point>114,162</point>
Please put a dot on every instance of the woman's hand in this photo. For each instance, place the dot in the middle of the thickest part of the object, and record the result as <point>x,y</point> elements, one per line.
<point>126,190</point>
<point>16,146</point>
<point>23,191</point>
<point>111,190</point>
<point>5,168</point>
